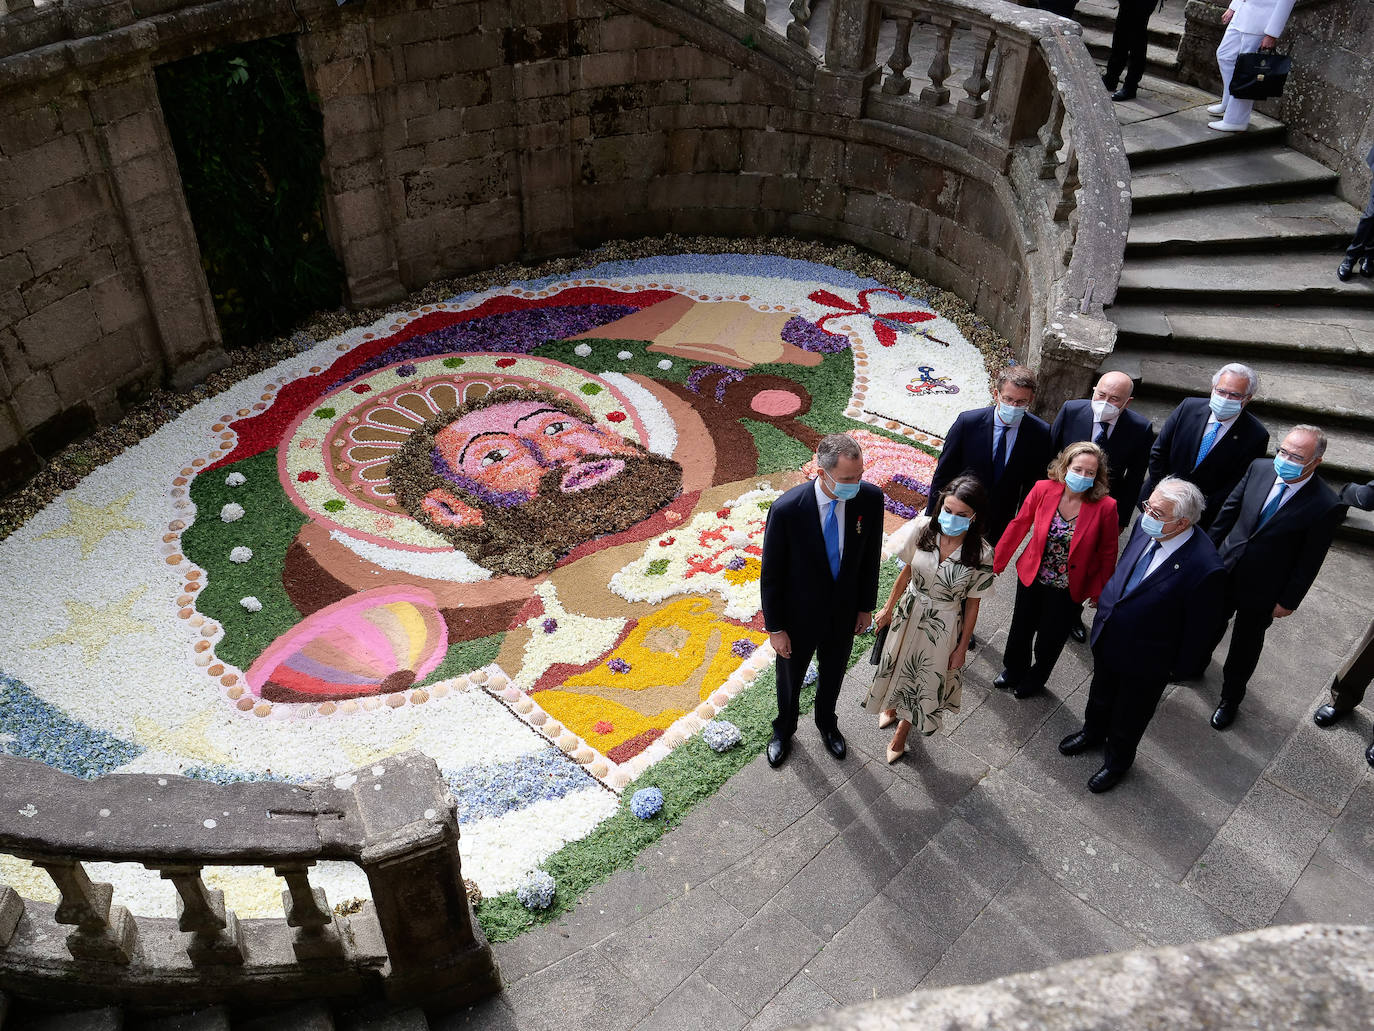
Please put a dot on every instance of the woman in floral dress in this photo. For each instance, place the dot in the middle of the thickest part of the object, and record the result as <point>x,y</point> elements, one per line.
<point>932,611</point>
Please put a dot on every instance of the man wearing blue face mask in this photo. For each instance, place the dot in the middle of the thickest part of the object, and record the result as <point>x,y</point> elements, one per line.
<point>822,545</point>
<point>1211,441</point>
<point>1272,534</point>
<point>1155,615</point>
<point>1004,446</point>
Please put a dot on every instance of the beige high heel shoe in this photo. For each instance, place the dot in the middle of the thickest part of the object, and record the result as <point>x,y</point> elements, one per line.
<point>893,754</point>
<point>886,719</point>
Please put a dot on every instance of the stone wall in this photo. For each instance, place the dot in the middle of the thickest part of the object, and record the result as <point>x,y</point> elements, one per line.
<point>1328,104</point>
<point>459,134</point>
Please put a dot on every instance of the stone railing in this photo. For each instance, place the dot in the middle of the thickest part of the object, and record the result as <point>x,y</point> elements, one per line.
<point>415,940</point>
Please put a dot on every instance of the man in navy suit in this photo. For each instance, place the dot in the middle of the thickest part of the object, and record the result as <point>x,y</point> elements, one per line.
<point>1156,614</point>
<point>1006,447</point>
<point>1211,441</point>
<point>1124,435</point>
<point>1272,535</point>
<point>821,548</point>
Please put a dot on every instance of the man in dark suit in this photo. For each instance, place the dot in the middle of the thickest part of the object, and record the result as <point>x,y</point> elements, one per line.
<point>1352,679</point>
<point>821,549</point>
<point>1211,441</point>
<point>1124,435</point>
<point>1006,447</point>
<point>1272,535</point>
<point>1130,39</point>
<point>1156,614</point>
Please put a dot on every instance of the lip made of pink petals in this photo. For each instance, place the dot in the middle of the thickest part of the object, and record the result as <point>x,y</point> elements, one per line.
<point>589,474</point>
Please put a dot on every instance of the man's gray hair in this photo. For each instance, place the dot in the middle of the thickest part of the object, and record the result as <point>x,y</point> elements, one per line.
<point>834,447</point>
<point>1237,369</point>
<point>1317,435</point>
<point>1188,500</point>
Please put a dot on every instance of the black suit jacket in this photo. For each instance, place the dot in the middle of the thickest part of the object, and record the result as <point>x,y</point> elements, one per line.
<point>799,594</point>
<point>1176,448</point>
<point>1274,564</point>
<point>968,449</point>
<point>1168,622</point>
<point>1127,447</point>
<point>1357,494</point>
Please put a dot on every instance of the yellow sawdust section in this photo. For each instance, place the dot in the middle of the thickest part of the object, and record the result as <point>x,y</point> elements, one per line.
<point>91,524</point>
<point>732,333</point>
<point>92,627</point>
<point>676,656</point>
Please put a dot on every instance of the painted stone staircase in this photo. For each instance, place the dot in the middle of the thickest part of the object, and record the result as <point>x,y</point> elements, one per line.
<point>310,1016</point>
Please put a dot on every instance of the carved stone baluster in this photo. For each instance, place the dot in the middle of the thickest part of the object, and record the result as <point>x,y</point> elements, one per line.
<point>11,909</point>
<point>1050,137</point>
<point>797,31</point>
<point>977,84</point>
<point>897,84</point>
<point>1063,206</point>
<point>937,93</point>
<point>103,932</point>
<point>307,910</point>
<point>756,10</point>
<point>215,935</point>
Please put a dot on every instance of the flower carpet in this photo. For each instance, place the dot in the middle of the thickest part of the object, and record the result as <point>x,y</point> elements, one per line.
<point>519,530</point>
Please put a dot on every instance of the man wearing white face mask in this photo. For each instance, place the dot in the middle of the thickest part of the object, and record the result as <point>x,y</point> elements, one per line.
<point>1211,441</point>
<point>1125,435</point>
<point>1272,534</point>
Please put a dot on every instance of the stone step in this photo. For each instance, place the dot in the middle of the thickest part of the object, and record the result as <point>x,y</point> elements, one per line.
<point>385,1018</point>
<point>4,1008</point>
<point>1238,333</point>
<point>305,1016</point>
<point>1164,31</point>
<point>106,1019</point>
<point>1159,60</point>
<point>1297,278</point>
<point>212,1018</point>
<point>1265,171</point>
<point>1312,221</point>
<point>1182,133</point>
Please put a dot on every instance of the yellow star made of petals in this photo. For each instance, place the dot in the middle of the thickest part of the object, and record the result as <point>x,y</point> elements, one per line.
<point>91,524</point>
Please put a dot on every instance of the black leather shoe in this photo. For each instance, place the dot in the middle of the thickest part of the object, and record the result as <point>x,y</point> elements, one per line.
<point>1027,689</point>
<point>777,751</point>
<point>1105,779</point>
<point>834,743</point>
<point>1005,679</point>
<point>1079,633</point>
<point>1329,715</point>
<point>1124,93</point>
<point>1367,267</point>
<point>1369,754</point>
<point>1075,744</point>
<point>1225,715</point>
<point>1345,269</point>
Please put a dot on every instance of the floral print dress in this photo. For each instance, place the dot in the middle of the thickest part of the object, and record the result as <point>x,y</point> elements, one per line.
<point>913,673</point>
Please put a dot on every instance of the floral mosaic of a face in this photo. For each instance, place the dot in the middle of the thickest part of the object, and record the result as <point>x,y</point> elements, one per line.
<point>507,450</point>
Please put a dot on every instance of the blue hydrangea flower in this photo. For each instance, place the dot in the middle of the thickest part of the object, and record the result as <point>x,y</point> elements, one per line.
<point>536,890</point>
<point>721,735</point>
<point>812,673</point>
<point>646,803</point>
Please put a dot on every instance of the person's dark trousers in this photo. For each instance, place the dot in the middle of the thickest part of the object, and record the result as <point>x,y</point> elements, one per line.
<point>1063,8</point>
<point>1247,642</point>
<point>1129,39</point>
<point>1352,679</point>
<point>1119,709</point>
<point>832,659</point>
<point>1041,620</point>
<point>1362,243</point>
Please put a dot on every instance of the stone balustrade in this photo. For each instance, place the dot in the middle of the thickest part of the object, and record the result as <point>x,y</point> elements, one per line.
<point>415,940</point>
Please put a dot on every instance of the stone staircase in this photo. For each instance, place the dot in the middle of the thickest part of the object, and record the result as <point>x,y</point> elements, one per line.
<point>1232,256</point>
<point>310,1016</point>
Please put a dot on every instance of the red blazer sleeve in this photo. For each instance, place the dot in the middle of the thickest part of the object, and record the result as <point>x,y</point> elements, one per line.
<point>1104,561</point>
<point>1017,529</point>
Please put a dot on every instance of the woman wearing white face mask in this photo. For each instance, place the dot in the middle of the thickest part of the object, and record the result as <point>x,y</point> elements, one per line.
<point>948,563</point>
<point>1072,521</point>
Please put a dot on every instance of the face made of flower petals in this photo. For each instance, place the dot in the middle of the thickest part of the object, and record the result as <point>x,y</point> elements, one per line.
<point>507,450</point>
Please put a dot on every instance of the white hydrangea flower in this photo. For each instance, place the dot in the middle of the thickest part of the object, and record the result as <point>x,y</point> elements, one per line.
<point>582,350</point>
<point>625,356</point>
<point>240,554</point>
<point>231,512</point>
<point>665,365</point>
<point>251,603</point>
<point>235,480</point>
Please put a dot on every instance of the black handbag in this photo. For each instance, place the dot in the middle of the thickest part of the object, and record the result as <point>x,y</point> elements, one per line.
<point>879,639</point>
<point>1260,76</point>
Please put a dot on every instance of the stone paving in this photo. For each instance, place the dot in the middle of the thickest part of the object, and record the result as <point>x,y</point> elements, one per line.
<point>979,854</point>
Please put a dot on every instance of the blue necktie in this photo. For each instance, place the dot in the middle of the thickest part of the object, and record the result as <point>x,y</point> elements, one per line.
<point>1273,506</point>
<point>1101,437</point>
<point>1208,439</point>
<point>832,540</point>
<point>1138,573</point>
<point>999,454</point>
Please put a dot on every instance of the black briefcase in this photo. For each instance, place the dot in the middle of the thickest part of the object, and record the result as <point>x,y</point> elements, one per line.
<point>1260,76</point>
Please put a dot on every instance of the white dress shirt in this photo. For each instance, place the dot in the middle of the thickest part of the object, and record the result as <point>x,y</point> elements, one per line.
<point>1166,550</point>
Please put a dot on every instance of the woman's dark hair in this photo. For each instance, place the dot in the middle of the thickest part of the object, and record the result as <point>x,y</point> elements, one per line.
<point>968,489</point>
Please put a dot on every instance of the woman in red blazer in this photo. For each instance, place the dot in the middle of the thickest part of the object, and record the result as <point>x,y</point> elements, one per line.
<point>1070,558</point>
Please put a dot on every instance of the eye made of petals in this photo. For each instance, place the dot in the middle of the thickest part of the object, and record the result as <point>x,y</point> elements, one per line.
<point>495,455</point>
<point>555,428</point>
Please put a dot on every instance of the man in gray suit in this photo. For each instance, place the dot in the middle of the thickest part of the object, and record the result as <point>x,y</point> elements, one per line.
<point>1361,247</point>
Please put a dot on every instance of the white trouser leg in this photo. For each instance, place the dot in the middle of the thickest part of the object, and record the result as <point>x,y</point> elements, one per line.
<point>1232,45</point>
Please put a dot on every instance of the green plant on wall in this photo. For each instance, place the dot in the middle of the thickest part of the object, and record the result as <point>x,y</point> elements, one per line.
<point>249,145</point>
